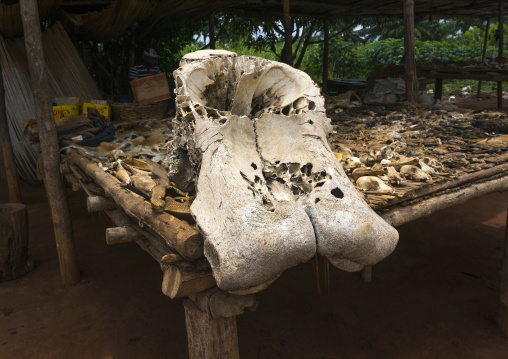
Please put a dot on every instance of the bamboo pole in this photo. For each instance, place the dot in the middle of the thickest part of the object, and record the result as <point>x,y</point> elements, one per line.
<point>409,51</point>
<point>325,54</point>
<point>9,162</point>
<point>53,181</point>
<point>484,51</point>
<point>500,54</point>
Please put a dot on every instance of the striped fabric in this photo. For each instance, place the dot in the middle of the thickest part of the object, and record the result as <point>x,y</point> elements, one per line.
<point>142,71</point>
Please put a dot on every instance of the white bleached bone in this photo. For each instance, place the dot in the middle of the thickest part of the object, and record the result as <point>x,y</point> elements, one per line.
<point>373,184</point>
<point>270,193</point>
<point>414,173</point>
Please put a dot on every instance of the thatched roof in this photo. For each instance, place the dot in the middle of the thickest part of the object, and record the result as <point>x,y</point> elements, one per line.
<point>106,19</point>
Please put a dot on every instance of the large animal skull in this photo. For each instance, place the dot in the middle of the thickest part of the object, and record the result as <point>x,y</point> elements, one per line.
<point>252,135</point>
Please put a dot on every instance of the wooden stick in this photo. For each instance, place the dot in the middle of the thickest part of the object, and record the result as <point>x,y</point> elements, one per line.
<point>73,181</point>
<point>400,215</point>
<point>178,234</point>
<point>53,181</point>
<point>9,163</point>
<point>210,338</point>
<point>409,52</point>
<point>123,234</point>
<point>287,50</point>
<point>438,187</point>
<point>187,278</point>
<point>367,274</point>
<point>218,303</point>
<point>326,25</point>
<point>484,51</point>
<point>98,203</point>
<point>500,33</point>
<point>502,310</point>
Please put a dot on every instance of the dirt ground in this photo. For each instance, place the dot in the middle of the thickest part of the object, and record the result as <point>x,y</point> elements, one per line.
<point>434,297</point>
<point>485,101</point>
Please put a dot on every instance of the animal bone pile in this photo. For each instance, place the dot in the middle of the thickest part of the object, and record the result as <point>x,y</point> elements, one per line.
<point>386,150</point>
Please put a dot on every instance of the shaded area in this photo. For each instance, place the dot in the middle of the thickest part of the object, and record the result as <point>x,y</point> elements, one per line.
<point>434,297</point>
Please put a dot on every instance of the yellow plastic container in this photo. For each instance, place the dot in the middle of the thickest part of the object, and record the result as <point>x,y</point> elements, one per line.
<point>101,106</point>
<point>66,107</point>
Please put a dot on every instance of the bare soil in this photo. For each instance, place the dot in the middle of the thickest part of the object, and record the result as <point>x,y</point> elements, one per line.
<point>434,297</point>
<point>485,101</point>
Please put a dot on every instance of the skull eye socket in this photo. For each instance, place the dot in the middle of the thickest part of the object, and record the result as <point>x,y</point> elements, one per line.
<point>337,193</point>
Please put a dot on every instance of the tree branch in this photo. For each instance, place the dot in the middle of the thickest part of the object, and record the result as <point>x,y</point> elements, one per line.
<point>331,37</point>
<point>305,44</point>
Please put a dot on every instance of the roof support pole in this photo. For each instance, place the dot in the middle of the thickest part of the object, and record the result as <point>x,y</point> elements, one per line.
<point>500,54</point>
<point>53,182</point>
<point>502,310</point>
<point>287,50</point>
<point>325,54</point>
<point>211,27</point>
<point>484,51</point>
<point>11,171</point>
<point>409,51</point>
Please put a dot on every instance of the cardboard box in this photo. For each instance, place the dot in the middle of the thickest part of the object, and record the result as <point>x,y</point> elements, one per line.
<point>151,89</point>
<point>66,107</point>
<point>101,106</point>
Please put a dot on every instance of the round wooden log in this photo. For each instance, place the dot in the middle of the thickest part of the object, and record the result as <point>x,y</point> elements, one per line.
<point>98,203</point>
<point>53,181</point>
<point>124,234</point>
<point>401,215</point>
<point>187,278</point>
<point>177,233</point>
<point>210,338</point>
<point>14,260</point>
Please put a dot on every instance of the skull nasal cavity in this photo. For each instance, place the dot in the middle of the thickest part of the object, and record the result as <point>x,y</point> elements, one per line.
<point>337,192</point>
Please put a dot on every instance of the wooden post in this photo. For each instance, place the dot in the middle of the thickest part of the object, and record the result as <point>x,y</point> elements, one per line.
<point>409,52</point>
<point>53,181</point>
<point>14,260</point>
<point>9,162</point>
<point>502,310</point>
<point>484,52</point>
<point>287,50</point>
<point>367,274</point>
<point>439,89</point>
<point>325,54</point>
<point>210,337</point>
<point>500,54</point>
<point>211,27</point>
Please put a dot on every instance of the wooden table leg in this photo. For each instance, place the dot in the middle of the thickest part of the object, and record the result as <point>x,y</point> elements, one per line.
<point>439,89</point>
<point>209,337</point>
<point>502,312</point>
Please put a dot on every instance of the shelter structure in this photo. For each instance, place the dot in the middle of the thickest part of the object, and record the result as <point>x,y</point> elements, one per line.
<point>210,335</point>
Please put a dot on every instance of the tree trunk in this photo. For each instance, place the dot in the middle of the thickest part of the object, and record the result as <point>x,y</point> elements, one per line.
<point>53,181</point>
<point>325,55</point>
<point>287,50</point>
<point>409,51</point>
<point>500,54</point>
<point>9,163</point>
<point>14,261</point>
<point>211,26</point>
<point>484,52</point>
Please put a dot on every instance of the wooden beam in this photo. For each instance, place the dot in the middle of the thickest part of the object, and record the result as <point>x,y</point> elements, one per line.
<point>326,24</point>
<point>502,310</point>
<point>287,50</point>
<point>211,27</point>
<point>9,162</point>
<point>187,278</point>
<point>409,52</point>
<point>484,51</point>
<point>125,234</point>
<point>98,203</point>
<point>210,338</point>
<point>53,181</point>
<point>438,88</point>
<point>500,54</point>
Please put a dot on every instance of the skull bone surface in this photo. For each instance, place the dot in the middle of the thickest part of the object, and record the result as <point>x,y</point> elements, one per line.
<point>251,136</point>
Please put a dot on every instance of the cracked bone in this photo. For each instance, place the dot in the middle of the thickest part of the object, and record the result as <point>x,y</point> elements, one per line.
<point>270,192</point>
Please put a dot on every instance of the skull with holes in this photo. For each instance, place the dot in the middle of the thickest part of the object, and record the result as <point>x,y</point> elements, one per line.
<point>251,137</point>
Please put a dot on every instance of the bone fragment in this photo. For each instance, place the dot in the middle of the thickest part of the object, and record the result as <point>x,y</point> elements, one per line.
<point>363,171</point>
<point>393,176</point>
<point>373,185</point>
<point>143,182</point>
<point>414,173</point>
